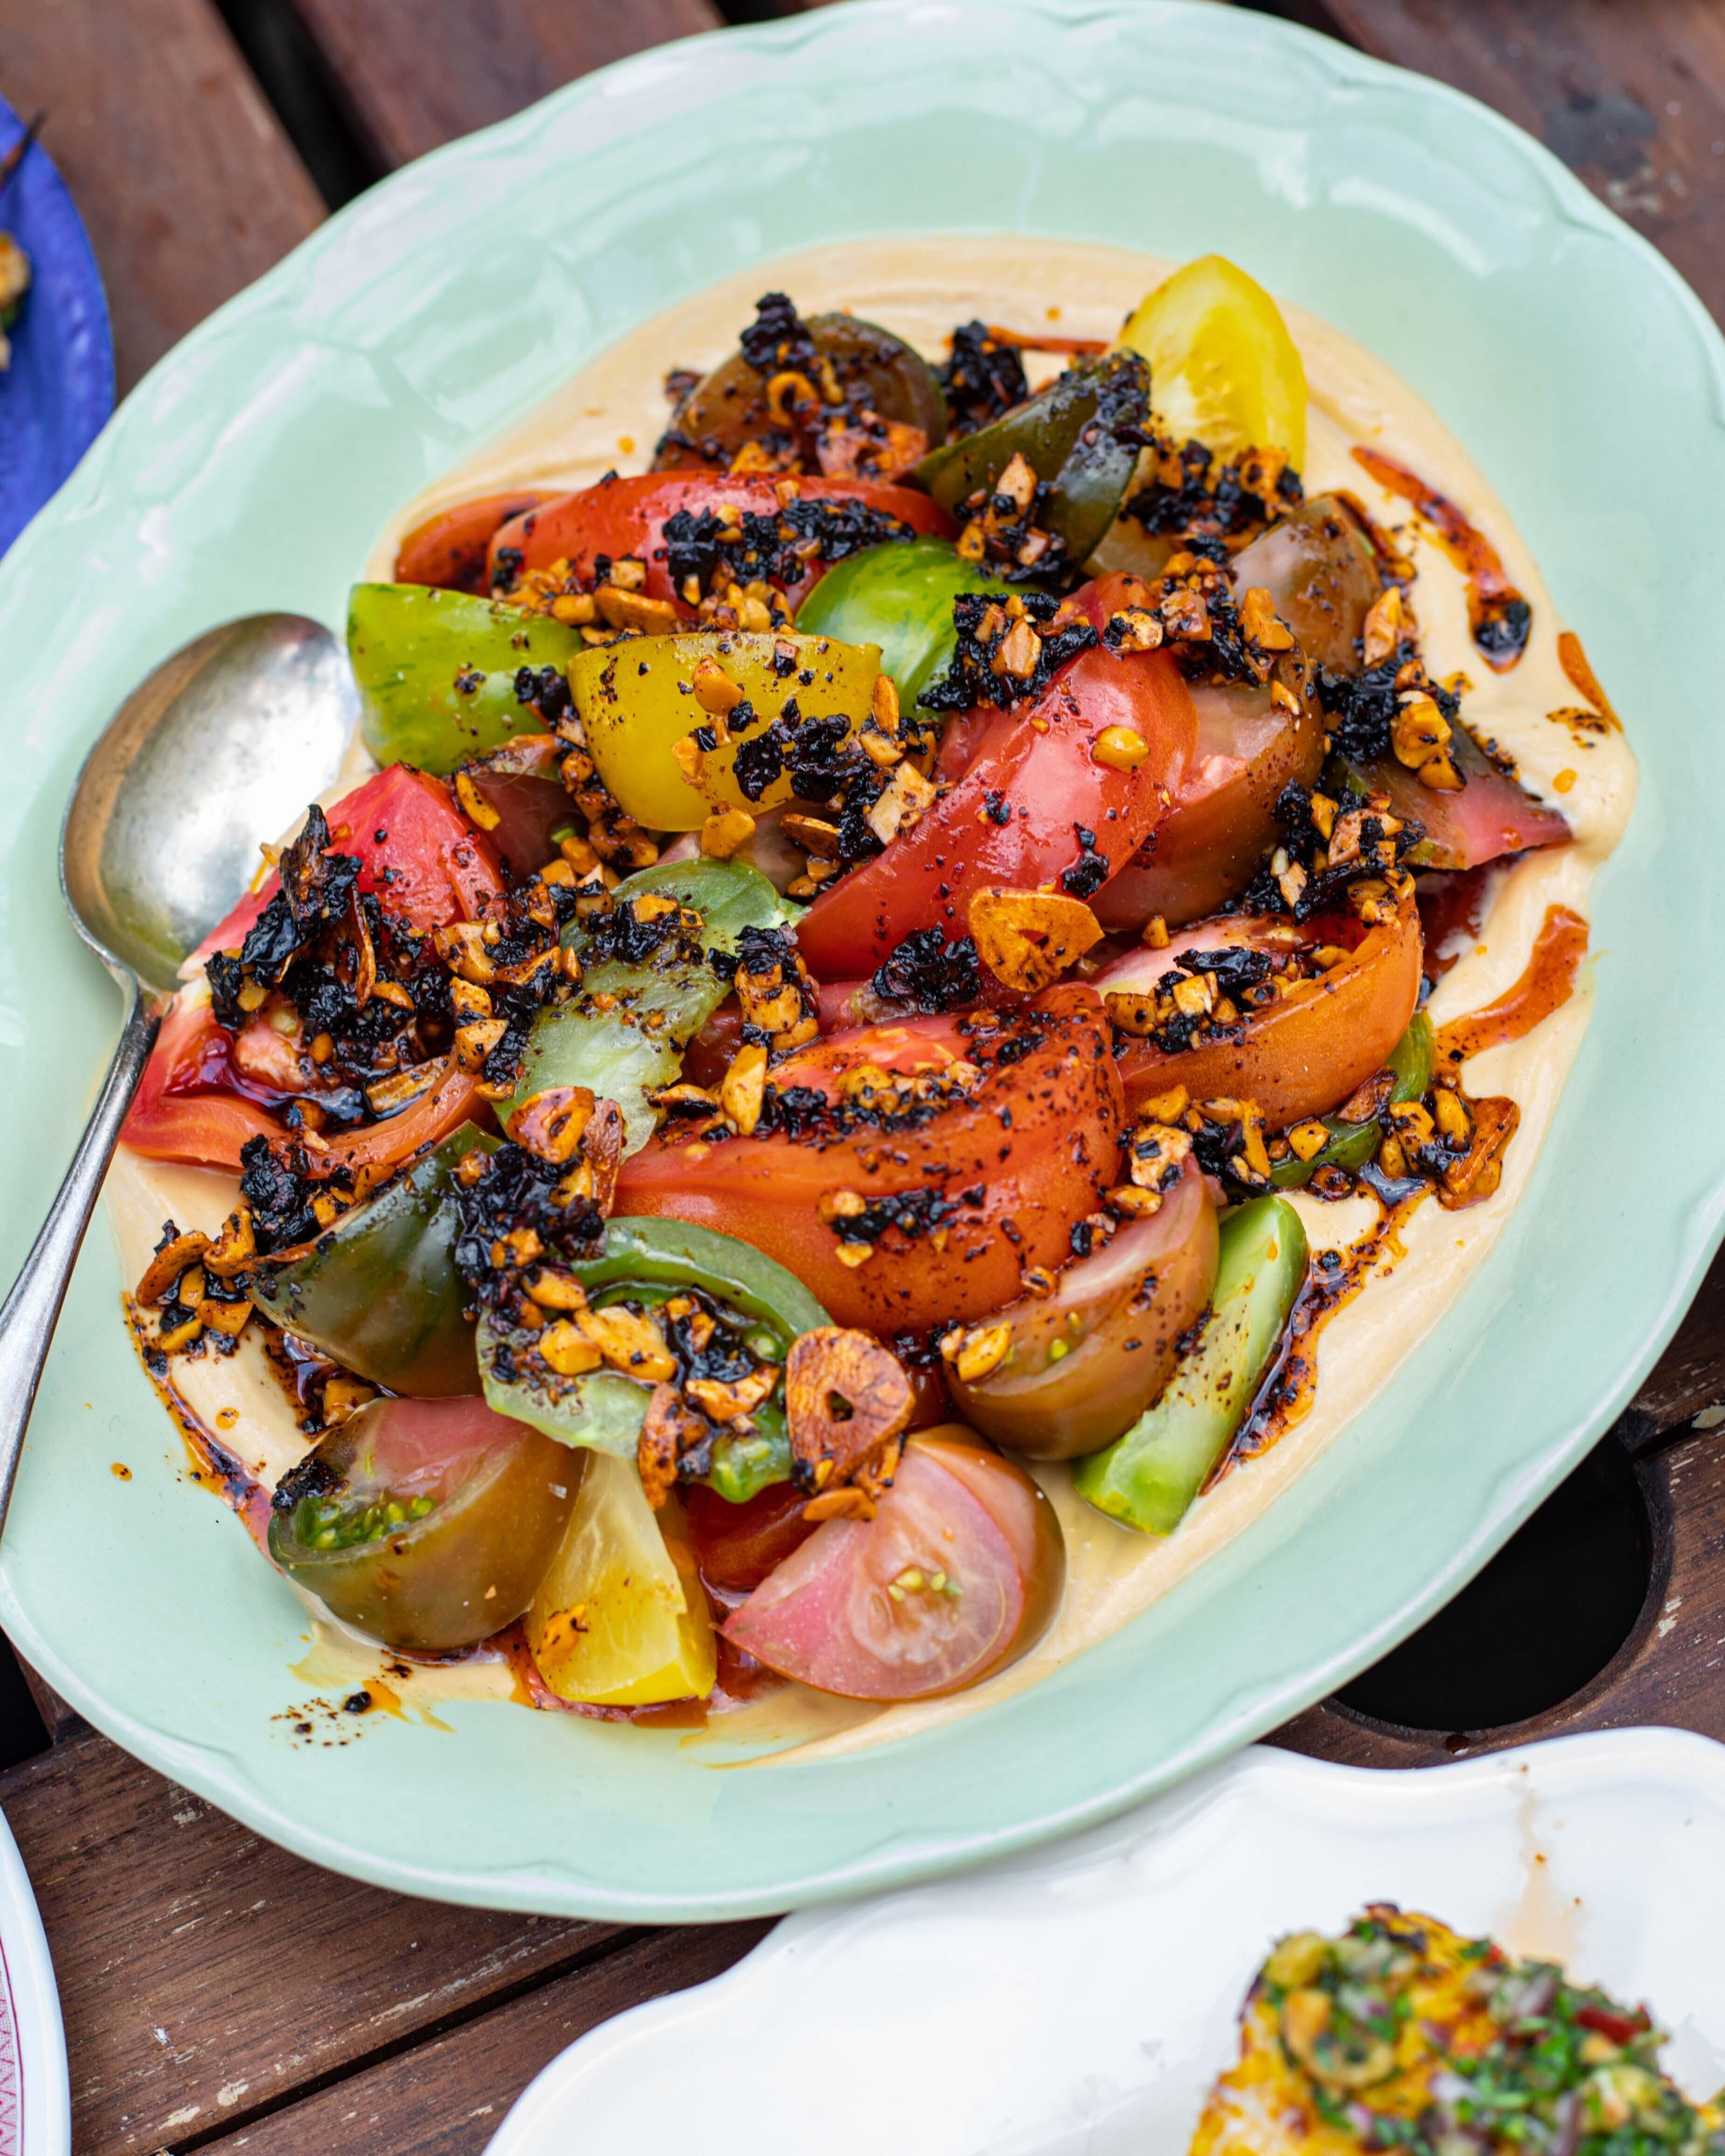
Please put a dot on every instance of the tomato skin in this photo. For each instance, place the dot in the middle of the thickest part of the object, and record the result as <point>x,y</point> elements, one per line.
<point>627,516</point>
<point>440,868</point>
<point>192,1104</point>
<point>856,1610</point>
<point>1304,1055</point>
<point>1052,784</point>
<point>1038,1172</point>
<point>736,1545</point>
<point>1223,820</point>
<point>452,549</point>
<point>1118,1316</point>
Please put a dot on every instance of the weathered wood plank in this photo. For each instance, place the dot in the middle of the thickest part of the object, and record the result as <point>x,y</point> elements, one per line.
<point>1630,94</point>
<point>448,2097</point>
<point>414,73</point>
<point>201,1969</point>
<point>185,179</point>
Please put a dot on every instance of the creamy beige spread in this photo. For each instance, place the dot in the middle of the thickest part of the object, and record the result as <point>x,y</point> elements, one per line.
<point>607,417</point>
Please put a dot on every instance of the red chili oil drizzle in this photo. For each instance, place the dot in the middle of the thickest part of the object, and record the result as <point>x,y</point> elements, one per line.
<point>1499,615</point>
<point>1548,982</point>
<point>211,1465</point>
<point>1287,1392</point>
<point>1583,679</point>
<point>1046,341</point>
<point>1452,904</point>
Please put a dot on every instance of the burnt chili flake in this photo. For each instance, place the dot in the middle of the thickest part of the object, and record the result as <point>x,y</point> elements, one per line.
<point>778,337</point>
<point>983,379</point>
<point>929,974</point>
<point>776,548</point>
<point>1360,708</point>
<point>914,1212</point>
<point>1090,872</point>
<point>1193,496</point>
<point>517,1210</point>
<point>276,1182</point>
<point>983,666</point>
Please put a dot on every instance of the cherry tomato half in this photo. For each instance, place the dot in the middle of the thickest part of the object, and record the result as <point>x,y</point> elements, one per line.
<point>951,1201</point>
<point>958,1573</point>
<point>427,1523</point>
<point>627,516</point>
<point>1015,817</point>
<point>1306,1052</point>
<point>1086,1362</point>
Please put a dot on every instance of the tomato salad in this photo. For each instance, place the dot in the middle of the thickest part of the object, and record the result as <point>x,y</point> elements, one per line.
<point>808,1028</point>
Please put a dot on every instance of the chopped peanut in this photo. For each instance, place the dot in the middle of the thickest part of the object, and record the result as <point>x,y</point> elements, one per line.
<point>978,1352</point>
<point>551,1123</point>
<point>906,794</point>
<point>1120,748</point>
<point>744,1086</point>
<point>474,804</point>
<point>1307,1139</point>
<point>715,692</point>
<point>1385,625</point>
<point>725,832</point>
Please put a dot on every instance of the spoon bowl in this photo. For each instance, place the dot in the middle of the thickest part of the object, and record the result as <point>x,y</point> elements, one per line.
<point>226,741</point>
<point>223,745</point>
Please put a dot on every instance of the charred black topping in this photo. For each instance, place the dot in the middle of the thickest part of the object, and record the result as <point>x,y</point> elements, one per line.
<point>1381,851</point>
<point>775,548</point>
<point>1360,708</point>
<point>777,337</point>
<point>313,1476</point>
<point>982,626</point>
<point>1235,968</point>
<point>1090,872</point>
<point>983,380</point>
<point>929,974</point>
<point>276,1181</point>
<point>517,1210</point>
<point>914,1212</point>
<point>1195,497</point>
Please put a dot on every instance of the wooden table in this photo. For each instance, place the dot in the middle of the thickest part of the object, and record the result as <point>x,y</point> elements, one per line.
<point>218,1992</point>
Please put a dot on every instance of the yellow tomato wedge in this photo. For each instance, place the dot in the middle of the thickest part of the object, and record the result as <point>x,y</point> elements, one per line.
<point>639,702</point>
<point>1223,369</point>
<point>618,1620</point>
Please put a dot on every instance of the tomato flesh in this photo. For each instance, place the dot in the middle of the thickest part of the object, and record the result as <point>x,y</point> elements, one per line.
<point>962,1201</point>
<point>958,1574</point>
<point>1222,367</point>
<point>1030,787</point>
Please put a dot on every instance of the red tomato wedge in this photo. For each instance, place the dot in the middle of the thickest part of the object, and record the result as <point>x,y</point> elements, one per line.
<point>1223,820</point>
<point>189,1107</point>
<point>1035,768</point>
<point>957,1199</point>
<point>627,516</point>
<point>958,1573</point>
<point>1302,1056</point>
<point>453,548</point>
<point>416,850</point>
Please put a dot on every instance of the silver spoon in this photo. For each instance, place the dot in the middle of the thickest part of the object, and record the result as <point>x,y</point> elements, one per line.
<point>224,745</point>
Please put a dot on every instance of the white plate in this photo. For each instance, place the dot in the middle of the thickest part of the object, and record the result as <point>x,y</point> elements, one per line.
<point>1080,2000</point>
<point>35,2092</point>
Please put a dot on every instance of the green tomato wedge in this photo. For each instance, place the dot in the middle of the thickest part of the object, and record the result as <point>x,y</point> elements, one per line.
<point>608,1049</point>
<point>436,671</point>
<point>900,597</point>
<point>1224,369</point>
<point>646,1261</point>
<point>1352,1145</point>
<point>379,1292</point>
<point>1148,1479</point>
<point>1067,434</point>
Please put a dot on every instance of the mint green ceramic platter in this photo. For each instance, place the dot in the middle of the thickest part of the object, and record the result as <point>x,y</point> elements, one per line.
<point>253,469</point>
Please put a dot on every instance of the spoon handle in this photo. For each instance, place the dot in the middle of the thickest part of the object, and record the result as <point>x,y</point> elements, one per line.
<point>27,1319</point>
